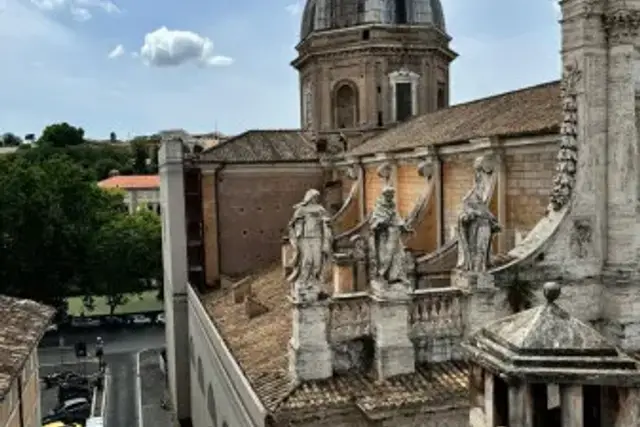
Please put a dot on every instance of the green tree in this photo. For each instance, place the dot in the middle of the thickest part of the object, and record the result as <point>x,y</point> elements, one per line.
<point>113,137</point>
<point>127,256</point>
<point>61,135</point>
<point>10,140</point>
<point>50,212</point>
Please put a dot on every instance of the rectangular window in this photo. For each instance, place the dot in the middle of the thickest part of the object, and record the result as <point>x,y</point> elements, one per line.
<point>442,96</point>
<point>404,107</point>
<point>380,121</point>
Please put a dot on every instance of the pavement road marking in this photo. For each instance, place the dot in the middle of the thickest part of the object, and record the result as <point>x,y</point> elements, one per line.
<point>139,390</point>
<point>105,390</point>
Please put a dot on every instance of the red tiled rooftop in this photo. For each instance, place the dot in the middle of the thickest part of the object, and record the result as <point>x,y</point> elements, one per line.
<point>131,182</point>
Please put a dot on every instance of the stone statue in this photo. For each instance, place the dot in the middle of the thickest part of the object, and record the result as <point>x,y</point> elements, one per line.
<point>311,237</point>
<point>388,262</point>
<point>476,223</point>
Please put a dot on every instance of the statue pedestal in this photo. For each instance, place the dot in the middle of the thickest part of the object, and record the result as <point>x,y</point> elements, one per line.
<point>394,351</point>
<point>395,291</point>
<point>305,292</point>
<point>310,356</point>
<point>469,280</point>
<point>483,301</point>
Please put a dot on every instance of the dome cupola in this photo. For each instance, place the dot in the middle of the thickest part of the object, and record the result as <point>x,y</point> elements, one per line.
<point>321,15</point>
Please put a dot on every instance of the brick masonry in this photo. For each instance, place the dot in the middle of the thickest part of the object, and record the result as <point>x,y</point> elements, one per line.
<point>254,207</point>
<point>457,178</point>
<point>528,186</point>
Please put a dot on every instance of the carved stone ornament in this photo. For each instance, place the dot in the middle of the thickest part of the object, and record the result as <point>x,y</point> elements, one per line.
<point>310,235</point>
<point>352,172</point>
<point>622,25</point>
<point>384,171</point>
<point>426,168</point>
<point>567,158</point>
<point>388,264</point>
<point>476,223</point>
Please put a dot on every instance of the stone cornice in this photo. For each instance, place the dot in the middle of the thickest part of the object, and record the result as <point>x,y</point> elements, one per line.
<point>380,50</point>
<point>622,26</point>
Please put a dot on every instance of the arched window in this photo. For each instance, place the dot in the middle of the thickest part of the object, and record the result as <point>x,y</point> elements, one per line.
<point>211,405</point>
<point>200,375</point>
<point>346,106</point>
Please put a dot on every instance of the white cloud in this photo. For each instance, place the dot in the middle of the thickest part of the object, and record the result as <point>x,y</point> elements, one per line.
<point>80,10</point>
<point>48,4</point>
<point>295,9</point>
<point>106,5</point>
<point>170,48</point>
<point>117,52</point>
<point>80,14</point>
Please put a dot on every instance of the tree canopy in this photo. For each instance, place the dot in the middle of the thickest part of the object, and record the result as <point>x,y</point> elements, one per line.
<point>61,135</point>
<point>62,235</point>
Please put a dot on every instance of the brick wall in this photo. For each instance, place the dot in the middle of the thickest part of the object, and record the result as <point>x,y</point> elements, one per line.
<point>210,226</point>
<point>457,179</point>
<point>373,185</point>
<point>410,187</point>
<point>529,183</point>
<point>254,207</point>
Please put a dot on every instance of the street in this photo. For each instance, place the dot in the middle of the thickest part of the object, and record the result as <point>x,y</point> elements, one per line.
<point>121,348</point>
<point>127,340</point>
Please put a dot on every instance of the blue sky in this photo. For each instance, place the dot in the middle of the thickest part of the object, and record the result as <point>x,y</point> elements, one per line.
<point>96,63</point>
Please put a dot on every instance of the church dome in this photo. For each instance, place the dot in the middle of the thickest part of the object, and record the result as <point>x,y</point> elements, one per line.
<point>331,14</point>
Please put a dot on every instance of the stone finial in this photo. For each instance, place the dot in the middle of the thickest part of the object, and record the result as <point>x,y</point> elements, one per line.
<point>551,291</point>
<point>311,238</point>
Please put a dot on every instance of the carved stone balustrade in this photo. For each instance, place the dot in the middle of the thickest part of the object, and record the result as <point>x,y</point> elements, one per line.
<point>436,312</point>
<point>349,317</point>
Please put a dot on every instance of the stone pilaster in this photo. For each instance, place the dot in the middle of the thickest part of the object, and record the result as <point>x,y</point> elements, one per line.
<point>520,405</point>
<point>310,355</point>
<point>571,406</point>
<point>395,354</point>
<point>622,24</point>
<point>174,254</point>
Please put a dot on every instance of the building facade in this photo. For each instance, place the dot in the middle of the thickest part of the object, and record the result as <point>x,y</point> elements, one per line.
<point>24,324</point>
<point>500,194</point>
<point>140,191</point>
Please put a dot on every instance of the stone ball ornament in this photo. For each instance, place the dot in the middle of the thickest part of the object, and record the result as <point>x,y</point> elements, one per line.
<point>551,291</point>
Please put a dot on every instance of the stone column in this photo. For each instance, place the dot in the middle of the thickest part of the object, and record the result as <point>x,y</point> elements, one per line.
<point>395,354</point>
<point>174,254</point>
<point>520,405</point>
<point>310,356</point>
<point>489,399</point>
<point>571,406</point>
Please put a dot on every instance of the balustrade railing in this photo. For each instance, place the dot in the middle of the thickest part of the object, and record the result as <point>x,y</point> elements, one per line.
<point>436,312</point>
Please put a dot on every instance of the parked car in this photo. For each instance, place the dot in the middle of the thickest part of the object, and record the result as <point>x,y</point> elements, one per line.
<point>75,410</point>
<point>62,424</point>
<point>57,378</point>
<point>72,390</point>
<point>160,319</point>
<point>85,322</point>
<point>113,321</point>
<point>140,319</point>
<point>52,328</point>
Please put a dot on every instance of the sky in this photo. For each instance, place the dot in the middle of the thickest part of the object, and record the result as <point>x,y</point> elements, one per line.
<point>140,66</point>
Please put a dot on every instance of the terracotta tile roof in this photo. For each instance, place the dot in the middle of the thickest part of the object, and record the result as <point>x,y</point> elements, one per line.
<point>528,111</point>
<point>131,182</point>
<point>260,345</point>
<point>23,324</point>
<point>263,146</point>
